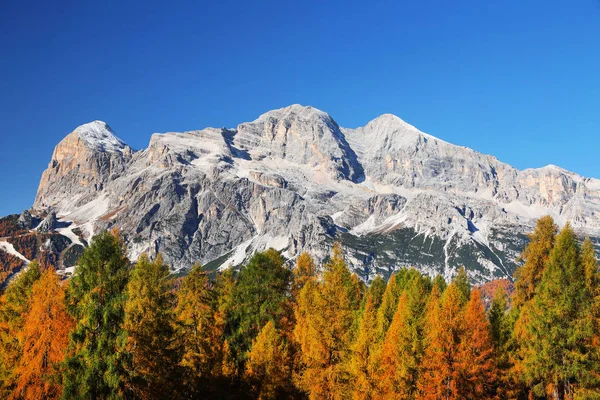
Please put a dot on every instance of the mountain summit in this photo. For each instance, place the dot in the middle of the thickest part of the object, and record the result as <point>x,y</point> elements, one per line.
<point>293,179</point>
<point>98,136</point>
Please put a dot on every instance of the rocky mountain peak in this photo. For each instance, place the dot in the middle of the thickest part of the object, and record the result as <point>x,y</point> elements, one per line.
<point>297,110</point>
<point>301,135</point>
<point>391,132</point>
<point>98,136</point>
<point>293,179</point>
<point>81,164</point>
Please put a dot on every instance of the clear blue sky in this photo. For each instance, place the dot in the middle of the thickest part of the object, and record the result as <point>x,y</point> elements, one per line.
<point>516,79</point>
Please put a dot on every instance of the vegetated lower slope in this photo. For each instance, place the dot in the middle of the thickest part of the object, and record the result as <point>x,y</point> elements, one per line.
<point>122,330</point>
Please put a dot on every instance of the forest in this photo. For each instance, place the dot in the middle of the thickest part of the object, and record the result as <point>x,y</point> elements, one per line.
<point>122,330</point>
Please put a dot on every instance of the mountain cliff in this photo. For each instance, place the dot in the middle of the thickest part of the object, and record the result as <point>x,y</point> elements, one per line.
<point>295,180</point>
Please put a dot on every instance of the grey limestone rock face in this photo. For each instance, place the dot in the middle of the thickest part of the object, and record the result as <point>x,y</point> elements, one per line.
<point>26,220</point>
<point>49,223</point>
<point>81,165</point>
<point>296,181</point>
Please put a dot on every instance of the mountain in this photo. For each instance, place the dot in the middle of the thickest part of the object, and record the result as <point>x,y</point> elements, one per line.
<point>295,180</point>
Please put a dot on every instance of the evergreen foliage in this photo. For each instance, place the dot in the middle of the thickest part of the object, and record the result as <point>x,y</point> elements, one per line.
<point>96,299</point>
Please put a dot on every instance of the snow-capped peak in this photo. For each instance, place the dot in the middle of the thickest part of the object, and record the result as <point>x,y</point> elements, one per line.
<point>296,111</point>
<point>97,135</point>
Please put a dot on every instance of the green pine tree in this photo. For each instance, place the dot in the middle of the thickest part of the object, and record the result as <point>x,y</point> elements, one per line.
<point>96,298</point>
<point>461,280</point>
<point>261,294</point>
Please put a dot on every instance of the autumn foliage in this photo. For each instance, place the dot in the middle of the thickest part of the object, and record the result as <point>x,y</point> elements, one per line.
<point>270,330</point>
<point>45,338</point>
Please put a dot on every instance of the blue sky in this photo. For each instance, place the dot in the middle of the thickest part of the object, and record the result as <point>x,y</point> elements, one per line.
<point>516,79</point>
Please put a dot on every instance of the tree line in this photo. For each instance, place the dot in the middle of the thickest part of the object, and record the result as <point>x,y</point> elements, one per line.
<point>116,330</point>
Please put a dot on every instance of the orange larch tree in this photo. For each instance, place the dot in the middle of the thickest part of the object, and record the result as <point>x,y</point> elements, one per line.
<point>444,330</point>
<point>45,340</point>
<point>475,359</point>
<point>399,360</point>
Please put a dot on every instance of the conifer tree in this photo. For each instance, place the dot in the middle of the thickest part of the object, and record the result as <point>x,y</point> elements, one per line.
<point>461,280</point>
<point>590,266</point>
<point>14,306</point>
<point>362,352</point>
<point>389,305</point>
<point>268,366</point>
<point>198,333</point>
<point>501,333</point>
<point>557,340</point>
<point>305,270</point>
<point>535,256</point>
<point>305,308</point>
<point>261,294</point>
<point>399,360</point>
<point>45,339</point>
<point>592,279</point>
<point>96,299</point>
<point>149,327</point>
<point>440,282</point>
<point>476,365</point>
<point>327,310</point>
<point>444,329</point>
<point>376,290</point>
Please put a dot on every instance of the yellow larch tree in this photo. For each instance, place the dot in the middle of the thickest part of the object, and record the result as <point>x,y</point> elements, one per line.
<point>325,314</point>
<point>268,366</point>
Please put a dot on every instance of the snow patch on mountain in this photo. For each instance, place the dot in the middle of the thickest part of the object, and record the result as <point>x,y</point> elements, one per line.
<point>10,249</point>
<point>293,179</point>
<point>98,136</point>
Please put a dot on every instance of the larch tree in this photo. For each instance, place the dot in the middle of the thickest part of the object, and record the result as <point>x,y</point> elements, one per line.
<point>223,302</point>
<point>557,342</point>
<point>590,267</point>
<point>149,329</point>
<point>501,334</point>
<point>444,327</point>
<point>590,386</point>
<point>305,270</point>
<point>362,352</point>
<point>14,306</point>
<point>375,290</point>
<point>475,361</point>
<point>399,360</point>
<point>527,279</point>
<point>327,308</point>
<point>198,333</point>
<point>440,282</point>
<point>535,257</point>
<point>268,367</point>
<point>96,299</point>
<point>389,305</point>
<point>45,339</point>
